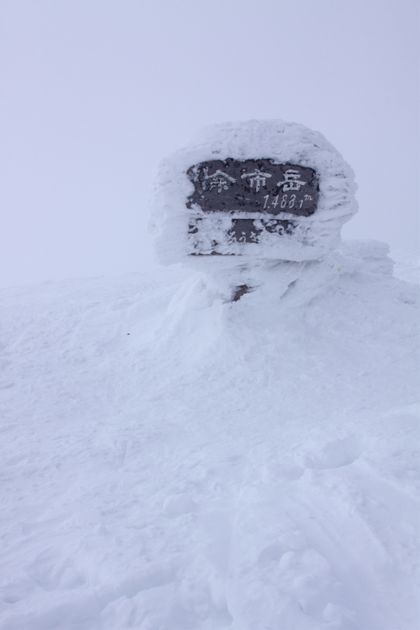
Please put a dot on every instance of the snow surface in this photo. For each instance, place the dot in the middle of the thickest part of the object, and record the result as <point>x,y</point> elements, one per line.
<point>172,461</point>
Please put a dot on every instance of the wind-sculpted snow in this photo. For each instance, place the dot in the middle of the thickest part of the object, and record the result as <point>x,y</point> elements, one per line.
<point>173,461</point>
<point>313,237</point>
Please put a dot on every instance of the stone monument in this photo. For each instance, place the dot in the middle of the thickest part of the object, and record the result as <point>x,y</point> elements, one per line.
<point>247,197</point>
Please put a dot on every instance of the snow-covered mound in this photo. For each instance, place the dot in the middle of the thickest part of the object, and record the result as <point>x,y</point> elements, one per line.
<point>407,266</point>
<point>313,236</point>
<point>173,461</point>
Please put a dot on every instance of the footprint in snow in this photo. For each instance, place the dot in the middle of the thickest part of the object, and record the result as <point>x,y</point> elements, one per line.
<point>179,504</point>
<point>335,454</point>
<point>281,469</point>
<point>271,553</point>
<point>15,591</point>
<point>51,571</point>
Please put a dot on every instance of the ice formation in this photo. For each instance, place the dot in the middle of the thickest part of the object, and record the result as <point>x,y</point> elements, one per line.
<point>313,237</point>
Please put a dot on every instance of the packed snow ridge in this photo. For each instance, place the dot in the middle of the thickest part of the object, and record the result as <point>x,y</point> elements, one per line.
<point>175,461</point>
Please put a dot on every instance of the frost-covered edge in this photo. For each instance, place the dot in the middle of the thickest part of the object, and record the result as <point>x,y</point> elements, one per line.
<point>284,142</point>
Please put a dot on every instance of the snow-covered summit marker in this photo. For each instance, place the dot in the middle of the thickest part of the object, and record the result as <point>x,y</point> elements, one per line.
<point>258,190</point>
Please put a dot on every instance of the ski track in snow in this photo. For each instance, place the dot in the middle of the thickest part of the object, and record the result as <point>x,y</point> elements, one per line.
<point>173,462</point>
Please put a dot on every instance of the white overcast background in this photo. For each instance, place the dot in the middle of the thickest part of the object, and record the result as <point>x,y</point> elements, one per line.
<point>93,93</point>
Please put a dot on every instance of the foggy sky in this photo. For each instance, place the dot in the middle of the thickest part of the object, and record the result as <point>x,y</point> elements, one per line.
<point>93,93</point>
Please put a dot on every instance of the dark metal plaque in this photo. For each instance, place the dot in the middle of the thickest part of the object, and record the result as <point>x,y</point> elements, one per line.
<point>257,186</point>
<point>248,230</point>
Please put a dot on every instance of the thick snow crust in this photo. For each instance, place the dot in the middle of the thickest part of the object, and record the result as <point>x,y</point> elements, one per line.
<point>172,461</point>
<point>314,236</point>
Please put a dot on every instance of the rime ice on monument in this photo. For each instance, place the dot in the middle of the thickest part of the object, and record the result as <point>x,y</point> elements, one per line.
<point>252,192</point>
